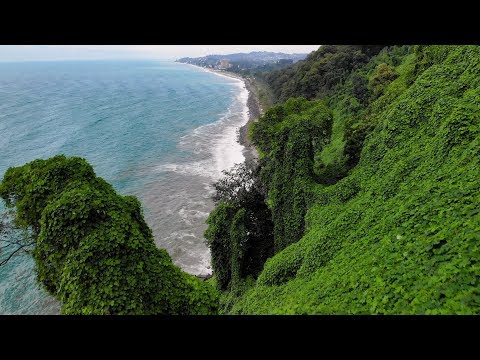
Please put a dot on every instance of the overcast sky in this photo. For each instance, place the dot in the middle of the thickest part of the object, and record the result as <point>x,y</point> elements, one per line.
<point>162,52</point>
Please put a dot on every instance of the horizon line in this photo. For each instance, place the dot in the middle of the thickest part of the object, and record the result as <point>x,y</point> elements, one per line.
<point>101,59</point>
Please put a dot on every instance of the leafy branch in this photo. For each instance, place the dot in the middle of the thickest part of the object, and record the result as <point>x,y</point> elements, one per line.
<point>16,245</point>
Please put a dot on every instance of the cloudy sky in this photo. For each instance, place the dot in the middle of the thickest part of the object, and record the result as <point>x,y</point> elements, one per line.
<point>162,52</point>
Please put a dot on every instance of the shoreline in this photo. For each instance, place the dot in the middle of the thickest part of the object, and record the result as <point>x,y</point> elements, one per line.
<point>254,110</point>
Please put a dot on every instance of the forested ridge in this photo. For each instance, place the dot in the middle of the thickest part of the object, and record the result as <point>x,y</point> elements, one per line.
<point>370,163</point>
<point>320,73</point>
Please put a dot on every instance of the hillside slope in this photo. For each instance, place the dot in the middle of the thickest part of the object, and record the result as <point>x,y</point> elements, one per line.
<point>397,229</point>
<point>320,73</point>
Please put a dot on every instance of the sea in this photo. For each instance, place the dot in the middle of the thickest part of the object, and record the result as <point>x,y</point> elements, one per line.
<point>162,131</point>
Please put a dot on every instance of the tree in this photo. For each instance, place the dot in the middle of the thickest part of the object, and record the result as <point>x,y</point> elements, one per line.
<point>360,88</point>
<point>241,184</point>
<point>13,242</point>
<point>240,231</point>
<point>291,136</point>
<point>93,250</point>
<point>383,76</point>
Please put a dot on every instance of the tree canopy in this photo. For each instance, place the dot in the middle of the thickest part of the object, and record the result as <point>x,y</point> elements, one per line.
<point>93,250</point>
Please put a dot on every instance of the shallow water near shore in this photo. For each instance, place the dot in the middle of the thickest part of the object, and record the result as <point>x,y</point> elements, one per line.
<point>161,131</point>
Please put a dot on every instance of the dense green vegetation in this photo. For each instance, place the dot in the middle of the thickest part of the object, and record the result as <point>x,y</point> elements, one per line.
<point>264,93</point>
<point>291,136</point>
<point>373,188</point>
<point>321,72</point>
<point>365,200</point>
<point>240,232</point>
<point>93,250</point>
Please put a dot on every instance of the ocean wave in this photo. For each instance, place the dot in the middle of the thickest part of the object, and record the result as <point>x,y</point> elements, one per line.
<point>135,138</point>
<point>188,216</point>
<point>211,149</point>
<point>216,143</point>
<point>194,168</point>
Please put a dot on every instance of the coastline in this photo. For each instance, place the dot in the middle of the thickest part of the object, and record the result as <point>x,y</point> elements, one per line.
<point>254,111</point>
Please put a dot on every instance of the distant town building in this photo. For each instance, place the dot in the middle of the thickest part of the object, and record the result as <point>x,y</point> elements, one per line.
<point>285,61</point>
<point>224,64</point>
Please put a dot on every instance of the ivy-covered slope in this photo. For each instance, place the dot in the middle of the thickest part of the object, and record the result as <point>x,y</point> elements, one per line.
<point>300,129</point>
<point>398,232</point>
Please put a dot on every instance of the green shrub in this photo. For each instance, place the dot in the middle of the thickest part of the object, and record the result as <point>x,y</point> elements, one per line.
<point>240,229</point>
<point>300,131</point>
<point>355,136</point>
<point>282,267</point>
<point>383,76</point>
<point>218,240</point>
<point>93,251</point>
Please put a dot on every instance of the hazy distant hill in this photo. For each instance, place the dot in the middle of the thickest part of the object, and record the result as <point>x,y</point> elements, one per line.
<point>256,60</point>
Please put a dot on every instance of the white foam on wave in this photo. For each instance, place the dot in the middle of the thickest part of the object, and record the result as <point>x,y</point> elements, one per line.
<point>211,71</point>
<point>218,141</point>
<point>194,168</point>
<point>188,215</point>
<point>228,151</point>
<point>215,148</point>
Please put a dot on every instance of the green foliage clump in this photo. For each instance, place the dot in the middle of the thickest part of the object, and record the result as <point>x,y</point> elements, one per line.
<point>240,229</point>
<point>291,136</point>
<point>383,76</point>
<point>93,251</point>
<point>399,234</point>
<point>218,240</point>
<point>357,104</point>
<point>355,136</point>
<point>282,267</point>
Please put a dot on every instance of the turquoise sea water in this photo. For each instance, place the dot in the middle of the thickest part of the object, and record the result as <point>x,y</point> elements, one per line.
<point>161,131</point>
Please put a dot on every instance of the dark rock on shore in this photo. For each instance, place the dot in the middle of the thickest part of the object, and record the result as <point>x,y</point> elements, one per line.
<point>204,277</point>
